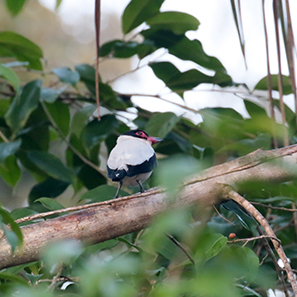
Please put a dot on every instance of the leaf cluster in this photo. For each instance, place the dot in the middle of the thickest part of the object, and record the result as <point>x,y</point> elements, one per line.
<point>36,117</point>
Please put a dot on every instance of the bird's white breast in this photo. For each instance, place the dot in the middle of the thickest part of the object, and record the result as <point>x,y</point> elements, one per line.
<point>129,151</point>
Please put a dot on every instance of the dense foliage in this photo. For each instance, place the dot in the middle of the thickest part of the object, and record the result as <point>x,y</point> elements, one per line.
<point>36,115</point>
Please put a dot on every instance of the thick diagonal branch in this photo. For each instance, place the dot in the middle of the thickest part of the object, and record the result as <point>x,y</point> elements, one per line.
<point>106,220</point>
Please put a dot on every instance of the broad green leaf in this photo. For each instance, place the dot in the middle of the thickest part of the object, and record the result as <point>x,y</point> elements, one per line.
<point>81,118</point>
<point>61,115</point>
<point>33,278</point>
<point>102,193</point>
<point>160,124</point>
<point>67,75</point>
<point>49,203</point>
<point>90,177</point>
<point>178,22</point>
<point>50,95</point>
<point>174,144</point>
<point>87,76</point>
<point>50,188</point>
<point>180,82</point>
<point>254,109</point>
<point>167,175</point>
<point>58,3</point>
<point>176,45</point>
<point>14,278</point>
<point>8,148</point>
<point>126,49</point>
<point>65,251</point>
<point>35,135</point>
<point>10,171</point>
<point>216,248</point>
<point>4,106</point>
<point>119,49</point>
<point>287,85</point>
<point>14,236</point>
<point>51,165</point>
<point>10,76</point>
<point>22,212</point>
<point>138,11</point>
<point>23,105</point>
<point>96,131</point>
<point>21,48</point>
<point>15,6</point>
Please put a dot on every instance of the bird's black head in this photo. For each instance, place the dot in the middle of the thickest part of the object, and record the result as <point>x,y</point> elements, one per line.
<point>137,133</point>
<point>141,134</point>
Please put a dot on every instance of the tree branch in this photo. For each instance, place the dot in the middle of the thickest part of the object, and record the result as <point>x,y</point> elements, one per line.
<point>230,194</point>
<point>109,219</point>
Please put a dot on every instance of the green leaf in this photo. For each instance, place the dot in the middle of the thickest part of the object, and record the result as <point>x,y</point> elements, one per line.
<point>61,115</point>
<point>50,188</point>
<point>180,82</point>
<point>14,236</point>
<point>176,45</point>
<point>58,3</point>
<point>50,95</point>
<point>216,247</point>
<point>102,193</point>
<point>287,85</point>
<point>10,76</point>
<point>178,22</point>
<point>14,278</point>
<point>96,131</point>
<point>8,148</point>
<point>90,177</point>
<point>66,75</point>
<point>126,49</point>
<point>138,11</point>
<point>51,165</point>
<point>167,175</point>
<point>10,171</point>
<point>49,203</point>
<point>23,105</point>
<point>81,118</point>
<point>87,76</point>
<point>15,6</point>
<point>254,109</point>
<point>160,124</point>
<point>21,48</point>
<point>21,213</point>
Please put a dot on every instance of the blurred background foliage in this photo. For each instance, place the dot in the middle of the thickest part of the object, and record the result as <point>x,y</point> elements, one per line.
<point>52,142</point>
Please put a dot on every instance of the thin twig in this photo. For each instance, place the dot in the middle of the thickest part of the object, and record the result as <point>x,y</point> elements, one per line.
<point>275,207</point>
<point>276,4</point>
<point>85,206</point>
<point>97,30</point>
<point>269,81</point>
<point>180,247</point>
<point>294,216</point>
<point>254,238</point>
<point>231,194</point>
<point>225,219</point>
<point>83,158</point>
<point>3,137</point>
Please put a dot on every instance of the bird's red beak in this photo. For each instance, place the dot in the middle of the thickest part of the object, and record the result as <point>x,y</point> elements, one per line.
<point>154,140</point>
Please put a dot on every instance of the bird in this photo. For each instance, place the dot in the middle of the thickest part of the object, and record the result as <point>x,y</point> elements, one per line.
<point>132,160</point>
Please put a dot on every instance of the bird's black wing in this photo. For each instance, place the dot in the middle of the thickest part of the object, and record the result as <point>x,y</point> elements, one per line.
<point>115,174</point>
<point>146,166</point>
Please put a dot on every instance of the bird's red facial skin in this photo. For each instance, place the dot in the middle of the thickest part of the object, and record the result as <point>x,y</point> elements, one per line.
<point>141,134</point>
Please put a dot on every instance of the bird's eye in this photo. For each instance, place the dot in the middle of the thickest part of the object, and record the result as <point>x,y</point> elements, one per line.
<point>141,134</point>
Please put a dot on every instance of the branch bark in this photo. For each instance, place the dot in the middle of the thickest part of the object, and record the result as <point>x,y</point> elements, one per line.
<point>109,219</point>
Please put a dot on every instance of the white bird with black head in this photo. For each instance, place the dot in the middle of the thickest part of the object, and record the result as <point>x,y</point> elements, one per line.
<point>133,159</point>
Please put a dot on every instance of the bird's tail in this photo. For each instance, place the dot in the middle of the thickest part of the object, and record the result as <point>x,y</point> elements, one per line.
<point>117,174</point>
